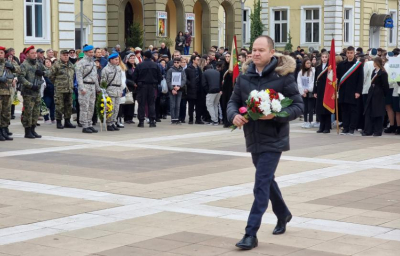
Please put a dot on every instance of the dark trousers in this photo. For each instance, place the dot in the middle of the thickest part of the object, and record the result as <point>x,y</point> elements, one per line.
<point>49,101</point>
<point>145,95</point>
<point>325,122</point>
<point>349,116</point>
<point>94,117</point>
<point>129,111</point>
<point>309,105</point>
<point>195,105</point>
<point>373,125</point>
<point>265,189</point>
<point>182,110</point>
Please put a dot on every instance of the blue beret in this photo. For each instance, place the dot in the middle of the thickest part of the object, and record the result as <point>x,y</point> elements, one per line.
<point>88,48</point>
<point>391,54</point>
<point>374,52</point>
<point>113,56</point>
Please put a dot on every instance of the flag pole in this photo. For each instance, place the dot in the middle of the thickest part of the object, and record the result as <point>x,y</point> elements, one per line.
<point>336,101</point>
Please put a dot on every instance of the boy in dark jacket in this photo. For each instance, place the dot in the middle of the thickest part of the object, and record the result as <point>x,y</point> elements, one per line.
<point>213,88</point>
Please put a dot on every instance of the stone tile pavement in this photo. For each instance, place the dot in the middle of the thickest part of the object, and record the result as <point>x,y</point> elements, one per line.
<point>187,190</point>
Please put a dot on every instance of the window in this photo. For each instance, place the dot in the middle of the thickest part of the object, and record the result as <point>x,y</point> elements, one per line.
<point>280,26</point>
<point>37,21</point>
<point>392,31</point>
<point>312,25</point>
<point>348,26</point>
<point>246,26</point>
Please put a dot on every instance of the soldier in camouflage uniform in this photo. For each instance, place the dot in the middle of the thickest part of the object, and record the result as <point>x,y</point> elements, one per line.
<point>7,69</point>
<point>112,75</point>
<point>62,76</point>
<point>88,85</point>
<point>31,79</point>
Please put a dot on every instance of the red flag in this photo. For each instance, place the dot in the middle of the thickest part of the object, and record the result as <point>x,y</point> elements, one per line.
<point>234,65</point>
<point>330,87</point>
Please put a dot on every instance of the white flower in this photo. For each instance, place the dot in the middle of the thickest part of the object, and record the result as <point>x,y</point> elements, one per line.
<point>281,97</point>
<point>265,107</point>
<point>263,95</point>
<point>276,106</point>
<point>253,94</point>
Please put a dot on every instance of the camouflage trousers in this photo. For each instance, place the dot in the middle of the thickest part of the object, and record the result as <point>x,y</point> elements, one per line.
<point>113,119</point>
<point>63,103</point>
<point>86,105</point>
<point>31,110</point>
<point>5,110</point>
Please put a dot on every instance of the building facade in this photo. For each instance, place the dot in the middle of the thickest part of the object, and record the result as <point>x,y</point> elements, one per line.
<point>56,23</point>
<point>313,23</point>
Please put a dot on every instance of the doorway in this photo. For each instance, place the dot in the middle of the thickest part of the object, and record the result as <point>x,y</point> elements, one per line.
<point>374,37</point>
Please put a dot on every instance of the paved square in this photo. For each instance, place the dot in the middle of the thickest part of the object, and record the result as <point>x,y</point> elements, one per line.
<point>187,190</point>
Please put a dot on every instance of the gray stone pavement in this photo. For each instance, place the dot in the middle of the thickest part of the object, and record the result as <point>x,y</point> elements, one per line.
<point>187,190</point>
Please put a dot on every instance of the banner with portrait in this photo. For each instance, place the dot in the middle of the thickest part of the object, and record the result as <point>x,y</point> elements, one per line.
<point>394,69</point>
<point>162,24</point>
<point>190,23</point>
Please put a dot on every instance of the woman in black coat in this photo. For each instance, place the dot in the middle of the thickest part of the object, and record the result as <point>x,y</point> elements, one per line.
<point>227,89</point>
<point>180,42</point>
<point>129,110</point>
<point>374,110</point>
<point>321,73</point>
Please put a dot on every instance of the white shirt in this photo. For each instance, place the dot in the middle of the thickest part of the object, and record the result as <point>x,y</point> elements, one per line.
<point>303,86</point>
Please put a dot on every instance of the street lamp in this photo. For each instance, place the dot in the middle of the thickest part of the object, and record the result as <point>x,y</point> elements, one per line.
<point>81,23</point>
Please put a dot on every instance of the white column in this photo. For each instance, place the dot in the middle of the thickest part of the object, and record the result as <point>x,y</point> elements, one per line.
<point>100,23</point>
<point>333,23</point>
<point>66,24</point>
<point>264,15</point>
<point>357,22</point>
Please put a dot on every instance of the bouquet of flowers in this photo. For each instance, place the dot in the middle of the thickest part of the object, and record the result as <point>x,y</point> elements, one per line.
<point>264,103</point>
<point>104,103</point>
<point>16,101</point>
<point>43,109</point>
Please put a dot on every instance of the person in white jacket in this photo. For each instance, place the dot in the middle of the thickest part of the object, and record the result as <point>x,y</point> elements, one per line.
<point>305,82</point>
<point>393,105</point>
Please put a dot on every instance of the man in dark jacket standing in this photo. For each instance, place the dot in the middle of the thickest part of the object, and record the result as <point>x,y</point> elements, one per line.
<point>147,76</point>
<point>350,74</point>
<point>195,93</point>
<point>164,50</point>
<point>213,88</point>
<point>268,137</point>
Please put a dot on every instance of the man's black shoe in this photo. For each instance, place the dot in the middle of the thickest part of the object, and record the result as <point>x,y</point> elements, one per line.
<point>326,131</point>
<point>93,130</point>
<point>87,130</point>
<point>320,131</point>
<point>190,122</point>
<point>8,132</point>
<point>366,134</point>
<point>12,117</point>
<point>391,129</point>
<point>110,128</point>
<point>351,132</point>
<point>247,242</point>
<point>152,125</point>
<point>377,134</point>
<point>345,132</point>
<point>59,125</point>
<point>68,124</point>
<point>28,133</point>
<point>164,117</point>
<point>158,120</point>
<point>183,122</point>
<point>141,124</point>
<point>3,131</point>
<point>281,225</point>
<point>115,127</point>
<point>199,122</point>
<point>37,136</point>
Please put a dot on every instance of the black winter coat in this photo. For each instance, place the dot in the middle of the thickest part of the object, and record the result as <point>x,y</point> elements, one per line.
<point>147,72</point>
<point>352,85</point>
<point>129,78</point>
<point>375,105</point>
<point>211,82</point>
<point>164,51</point>
<point>193,87</point>
<point>268,135</point>
<point>319,89</point>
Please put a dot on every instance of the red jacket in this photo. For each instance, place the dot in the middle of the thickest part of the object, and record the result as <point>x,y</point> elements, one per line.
<point>188,39</point>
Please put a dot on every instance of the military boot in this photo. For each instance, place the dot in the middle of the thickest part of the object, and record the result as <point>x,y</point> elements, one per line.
<point>34,132</point>
<point>67,123</point>
<point>28,133</point>
<point>59,124</point>
<point>8,131</point>
<point>1,136</point>
<point>86,130</point>
<point>3,131</point>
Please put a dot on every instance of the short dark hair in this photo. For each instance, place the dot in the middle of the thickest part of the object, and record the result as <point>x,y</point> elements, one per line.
<point>323,50</point>
<point>396,52</point>
<point>379,49</point>
<point>269,40</point>
<point>359,49</point>
<point>193,57</point>
<point>208,67</point>
<point>95,50</point>
<point>350,48</point>
<point>177,59</point>
<point>243,55</point>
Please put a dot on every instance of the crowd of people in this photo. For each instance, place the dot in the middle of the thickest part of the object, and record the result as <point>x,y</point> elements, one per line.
<point>55,85</point>
<point>176,85</point>
<point>367,101</point>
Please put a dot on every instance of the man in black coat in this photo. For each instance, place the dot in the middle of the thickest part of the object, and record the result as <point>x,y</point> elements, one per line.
<point>350,76</point>
<point>268,137</point>
<point>195,94</point>
<point>147,76</point>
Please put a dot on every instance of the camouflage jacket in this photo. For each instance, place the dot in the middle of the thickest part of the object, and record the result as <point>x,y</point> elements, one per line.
<point>62,76</point>
<point>86,67</point>
<point>112,75</point>
<point>28,78</point>
<point>5,88</point>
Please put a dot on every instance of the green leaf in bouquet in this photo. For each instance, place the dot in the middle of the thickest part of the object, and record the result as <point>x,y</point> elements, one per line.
<point>281,114</point>
<point>103,84</point>
<point>286,102</point>
<point>254,116</point>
